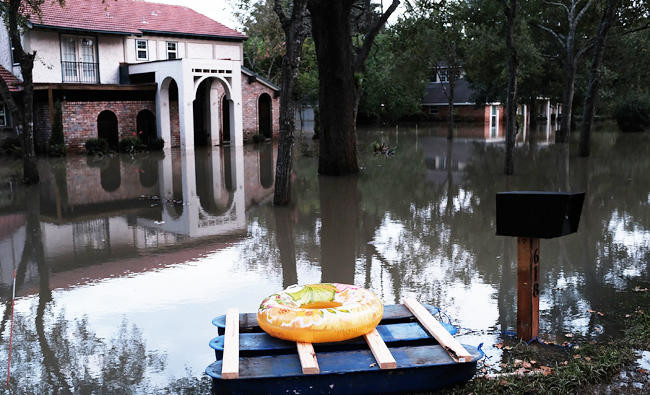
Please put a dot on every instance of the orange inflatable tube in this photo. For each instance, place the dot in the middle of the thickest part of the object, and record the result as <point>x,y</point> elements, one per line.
<point>318,313</point>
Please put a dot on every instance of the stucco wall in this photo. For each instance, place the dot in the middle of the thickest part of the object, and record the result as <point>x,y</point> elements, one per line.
<point>111,54</point>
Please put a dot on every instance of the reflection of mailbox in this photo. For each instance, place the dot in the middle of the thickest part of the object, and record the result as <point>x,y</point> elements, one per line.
<point>531,216</point>
<point>541,215</point>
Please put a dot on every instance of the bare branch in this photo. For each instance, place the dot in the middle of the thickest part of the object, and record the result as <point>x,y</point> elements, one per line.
<point>583,10</point>
<point>557,36</point>
<point>370,36</point>
<point>559,5</point>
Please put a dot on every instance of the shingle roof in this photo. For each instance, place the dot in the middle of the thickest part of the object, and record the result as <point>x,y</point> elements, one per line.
<point>12,82</point>
<point>130,17</point>
<point>463,93</point>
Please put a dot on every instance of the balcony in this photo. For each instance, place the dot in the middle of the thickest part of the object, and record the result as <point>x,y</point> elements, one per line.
<point>80,72</point>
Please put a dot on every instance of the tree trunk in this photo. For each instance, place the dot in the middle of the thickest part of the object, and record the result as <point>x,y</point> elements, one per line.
<point>450,107</point>
<point>295,30</point>
<point>338,87</point>
<point>567,98</point>
<point>511,96</point>
<point>532,121</point>
<point>26,61</point>
<point>591,97</point>
<point>286,241</point>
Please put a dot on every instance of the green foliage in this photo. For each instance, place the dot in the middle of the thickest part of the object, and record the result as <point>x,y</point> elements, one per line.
<point>56,146</point>
<point>633,113</point>
<point>11,146</point>
<point>258,138</point>
<point>96,146</point>
<point>131,145</point>
<point>156,144</point>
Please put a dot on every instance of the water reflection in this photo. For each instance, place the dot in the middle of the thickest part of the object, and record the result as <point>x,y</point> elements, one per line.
<point>183,237</point>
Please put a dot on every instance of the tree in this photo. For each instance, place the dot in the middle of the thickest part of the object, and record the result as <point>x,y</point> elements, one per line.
<point>573,48</point>
<point>341,66</point>
<point>591,97</point>
<point>16,14</point>
<point>510,10</point>
<point>295,29</point>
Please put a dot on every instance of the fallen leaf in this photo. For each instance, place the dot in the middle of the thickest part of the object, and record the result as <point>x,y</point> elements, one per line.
<point>521,371</point>
<point>601,314</point>
<point>545,370</point>
<point>527,365</point>
<point>503,382</point>
<point>507,348</point>
<point>587,359</point>
<point>499,345</point>
<point>503,365</point>
<point>484,370</point>
<point>533,362</point>
<point>644,371</point>
<point>577,356</point>
<point>639,289</point>
<point>591,311</point>
<point>372,365</point>
<point>627,316</point>
<point>568,335</point>
<point>565,363</point>
<point>518,362</point>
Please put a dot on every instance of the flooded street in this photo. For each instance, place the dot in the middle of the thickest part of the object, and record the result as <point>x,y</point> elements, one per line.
<point>123,261</point>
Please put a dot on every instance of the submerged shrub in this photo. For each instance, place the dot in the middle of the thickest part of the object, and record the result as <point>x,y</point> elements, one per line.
<point>131,144</point>
<point>57,142</point>
<point>96,146</point>
<point>258,138</point>
<point>633,113</point>
<point>11,146</point>
<point>56,150</point>
<point>156,144</point>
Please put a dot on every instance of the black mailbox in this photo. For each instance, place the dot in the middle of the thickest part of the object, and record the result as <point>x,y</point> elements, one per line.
<point>538,214</point>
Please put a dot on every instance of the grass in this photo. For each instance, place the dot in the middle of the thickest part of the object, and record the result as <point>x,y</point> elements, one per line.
<point>567,370</point>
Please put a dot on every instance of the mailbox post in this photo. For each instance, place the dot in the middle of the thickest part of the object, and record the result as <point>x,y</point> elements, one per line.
<point>531,216</point>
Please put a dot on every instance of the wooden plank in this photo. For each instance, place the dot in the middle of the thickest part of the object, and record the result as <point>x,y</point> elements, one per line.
<point>453,347</point>
<point>527,288</point>
<point>230,367</point>
<point>382,354</point>
<point>307,357</point>
<point>392,314</point>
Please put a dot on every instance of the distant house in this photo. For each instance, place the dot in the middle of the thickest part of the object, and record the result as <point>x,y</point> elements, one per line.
<point>129,67</point>
<point>492,115</point>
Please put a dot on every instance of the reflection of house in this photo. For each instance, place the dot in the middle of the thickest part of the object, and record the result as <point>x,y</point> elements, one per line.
<point>128,66</point>
<point>6,123</point>
<point>491,115</point>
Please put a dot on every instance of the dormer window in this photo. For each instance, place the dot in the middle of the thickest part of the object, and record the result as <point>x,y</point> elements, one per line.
<point>172,50</point>
<point>141,50</point>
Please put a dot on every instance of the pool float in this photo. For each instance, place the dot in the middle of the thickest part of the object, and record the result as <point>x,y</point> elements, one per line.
<point>318,313</point>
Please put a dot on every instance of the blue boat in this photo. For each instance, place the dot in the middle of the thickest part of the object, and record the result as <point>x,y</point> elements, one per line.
<point>270,365</point>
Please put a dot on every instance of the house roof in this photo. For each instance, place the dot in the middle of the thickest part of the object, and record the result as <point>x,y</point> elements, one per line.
<point>128,17</point>
<point>12,82</point>
<point>261,79</point>
<point>435,94</point>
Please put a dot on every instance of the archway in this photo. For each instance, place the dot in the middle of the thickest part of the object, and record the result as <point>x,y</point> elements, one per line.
<point>109,175</point>
<point>266,165</point>
<point>201,109</point>
<point>146,125</point>
<point>265,117</point>
<point>169,112</point>
<point>107,128</point>
<point>225,108</point>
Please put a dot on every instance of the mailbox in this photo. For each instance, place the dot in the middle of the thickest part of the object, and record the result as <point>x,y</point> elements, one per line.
<point>541,215</point>
<point>531,216</point>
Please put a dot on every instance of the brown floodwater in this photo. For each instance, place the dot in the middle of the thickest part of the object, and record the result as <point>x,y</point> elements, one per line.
<point>123,261</point>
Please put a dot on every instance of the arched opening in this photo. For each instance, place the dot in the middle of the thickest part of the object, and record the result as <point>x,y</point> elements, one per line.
<point>107,128</point>
<point>265,117</point>
<point>205,188</point>
<point>201,107</point>
<point>266,165</point>
<point>146,124</point>
<point>110,176</point>
<point>229,175</point>
<point>169,116</point>
<point>148,172</point>
<point>225,116</point>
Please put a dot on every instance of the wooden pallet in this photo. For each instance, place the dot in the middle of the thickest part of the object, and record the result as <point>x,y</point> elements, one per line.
<point>307,355</point>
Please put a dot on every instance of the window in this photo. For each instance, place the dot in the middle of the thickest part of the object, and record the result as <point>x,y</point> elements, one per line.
<point>433,110</point>
<point>443,75</point>
<point>79,59</point>
<point>141,50</point>
<point>172,52</point>
<point>3,116</point>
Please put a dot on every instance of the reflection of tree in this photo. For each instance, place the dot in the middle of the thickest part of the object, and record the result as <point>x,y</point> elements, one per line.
<point>285,237</point>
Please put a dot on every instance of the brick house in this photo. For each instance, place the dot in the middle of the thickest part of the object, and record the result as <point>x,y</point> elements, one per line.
<point>490,115</point>
<point>130,67</point>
